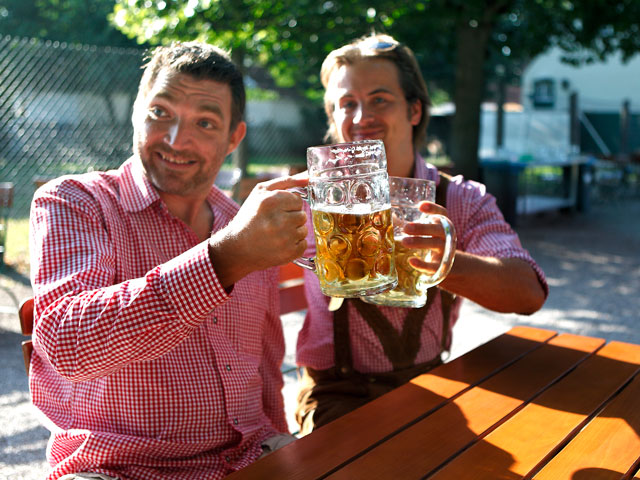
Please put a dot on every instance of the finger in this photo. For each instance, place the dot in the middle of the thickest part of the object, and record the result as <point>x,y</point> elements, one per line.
<point>286,201</point>
<point>289,226</point>
<point>424,229</point>
<point>423,243</point>
<point>426,267</point>
<point>300,175</point>
<point>282,183</point>
<point>432,208</point>
<point>301,247</point>
<point>295,220</point>
<point>301,231</point>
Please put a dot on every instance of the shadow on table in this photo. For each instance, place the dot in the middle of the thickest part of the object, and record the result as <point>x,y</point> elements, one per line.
<point>589,367</point>
<point>441,425</point>
<point>593,473</point>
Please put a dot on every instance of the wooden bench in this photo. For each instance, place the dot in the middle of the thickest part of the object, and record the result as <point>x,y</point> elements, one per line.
<point>25,315</point>
<point>292,299</point>
<point>291,289</point>
<point>39,180</point>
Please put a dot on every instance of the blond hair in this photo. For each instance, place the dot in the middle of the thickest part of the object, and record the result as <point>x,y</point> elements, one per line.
<point>386,47</point>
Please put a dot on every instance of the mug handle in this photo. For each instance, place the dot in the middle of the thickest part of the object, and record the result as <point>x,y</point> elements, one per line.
<point>305,262</point>
<point>449,251</point>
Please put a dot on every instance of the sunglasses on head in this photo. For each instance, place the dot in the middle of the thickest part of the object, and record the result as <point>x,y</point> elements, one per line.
<point>378,45</point>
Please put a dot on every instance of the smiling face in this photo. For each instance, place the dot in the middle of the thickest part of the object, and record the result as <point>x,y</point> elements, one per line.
<point>182,133</point>
<point>369,103</point>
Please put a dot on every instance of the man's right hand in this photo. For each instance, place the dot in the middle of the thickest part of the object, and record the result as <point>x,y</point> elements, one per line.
<point>268,230</point>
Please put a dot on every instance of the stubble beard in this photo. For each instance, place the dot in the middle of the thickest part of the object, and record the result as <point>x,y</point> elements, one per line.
<point>170,182</point>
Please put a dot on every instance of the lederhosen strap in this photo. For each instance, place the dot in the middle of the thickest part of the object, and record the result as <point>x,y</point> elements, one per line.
<point>446,298</point>
<point>400,348</point>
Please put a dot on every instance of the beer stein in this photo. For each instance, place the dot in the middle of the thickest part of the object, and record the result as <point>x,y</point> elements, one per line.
<point>348,193</point>
<point>411,291</point>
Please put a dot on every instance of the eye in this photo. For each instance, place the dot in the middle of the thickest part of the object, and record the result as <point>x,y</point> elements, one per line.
<point>210,123</point>
<point>157,112</point>
<point>348,105</point>
<point>379,100</point>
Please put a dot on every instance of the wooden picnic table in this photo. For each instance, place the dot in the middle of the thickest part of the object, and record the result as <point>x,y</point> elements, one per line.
<point>530,403</point>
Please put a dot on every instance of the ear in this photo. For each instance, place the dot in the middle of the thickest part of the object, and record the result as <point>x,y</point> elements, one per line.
<point>236,136</point>
<point>415,112</point>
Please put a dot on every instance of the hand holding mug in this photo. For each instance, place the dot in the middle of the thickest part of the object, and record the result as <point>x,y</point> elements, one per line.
<point>268,230</point>
<point>425,242</point>
<point>431,236</point>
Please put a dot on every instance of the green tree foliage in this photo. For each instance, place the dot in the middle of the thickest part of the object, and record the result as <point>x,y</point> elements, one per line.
<point>71,21</point>
<point>462,45</point>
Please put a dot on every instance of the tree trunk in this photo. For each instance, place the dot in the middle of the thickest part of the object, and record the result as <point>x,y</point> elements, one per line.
<point>500,99</point>
<point>574,122</point>
<point>469,89</point>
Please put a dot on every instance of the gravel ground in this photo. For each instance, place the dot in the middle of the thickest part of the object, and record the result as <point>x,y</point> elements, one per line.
<point>591,261</point>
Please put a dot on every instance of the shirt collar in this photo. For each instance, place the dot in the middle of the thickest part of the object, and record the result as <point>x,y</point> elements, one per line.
<point>425,170</point>
<point>138,193</point>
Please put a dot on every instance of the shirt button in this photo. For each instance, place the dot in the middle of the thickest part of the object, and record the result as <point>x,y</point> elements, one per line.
<point>228,367</point>
<point>235,421</point>
<point>227,458</point>
<point>215,319</point>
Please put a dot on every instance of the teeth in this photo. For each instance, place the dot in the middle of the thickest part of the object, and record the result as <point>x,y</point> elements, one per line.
<point>174,160</point>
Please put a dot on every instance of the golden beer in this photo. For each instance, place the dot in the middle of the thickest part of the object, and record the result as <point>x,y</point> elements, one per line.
<point>412,284</point>
<point>354,252</point>
<point>411,291</point>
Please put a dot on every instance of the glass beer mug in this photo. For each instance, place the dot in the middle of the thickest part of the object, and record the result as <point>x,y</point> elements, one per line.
<point>348,193</point>
<point>411,291</point>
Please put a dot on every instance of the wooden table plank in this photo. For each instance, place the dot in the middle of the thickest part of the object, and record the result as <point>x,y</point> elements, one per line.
<point>487,359</point>
<point>609,443</point>
<point>426,445</point>
<point>530,438</point>
<point>330,446</point>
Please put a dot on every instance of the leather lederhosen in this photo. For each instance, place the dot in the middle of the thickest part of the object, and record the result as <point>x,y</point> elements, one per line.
<point>328,394</point>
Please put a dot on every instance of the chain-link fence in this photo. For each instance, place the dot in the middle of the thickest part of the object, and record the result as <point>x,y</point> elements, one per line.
<point>63,109</point>
<point>67,109</point>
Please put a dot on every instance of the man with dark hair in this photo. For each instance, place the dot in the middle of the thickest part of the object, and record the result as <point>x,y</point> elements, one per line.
<point>157,341</point>
<point>374,90</point>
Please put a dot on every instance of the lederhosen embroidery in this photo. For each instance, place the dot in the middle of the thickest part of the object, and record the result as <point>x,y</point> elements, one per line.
<point>400,348</point>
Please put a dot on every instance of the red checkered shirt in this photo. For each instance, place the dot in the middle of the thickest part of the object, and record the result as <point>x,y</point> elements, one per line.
<point>143,366</point>
<point>481,230</point>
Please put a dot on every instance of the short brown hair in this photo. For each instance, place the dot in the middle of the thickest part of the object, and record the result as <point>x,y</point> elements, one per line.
<point>202,61</point>
<point>386,47</point>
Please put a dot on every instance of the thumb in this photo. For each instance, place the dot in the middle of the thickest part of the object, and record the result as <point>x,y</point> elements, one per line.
<point>283,183</point>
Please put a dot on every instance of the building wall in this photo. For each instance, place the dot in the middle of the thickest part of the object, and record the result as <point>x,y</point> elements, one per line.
<point>283,112</point>
<point>601,87</point>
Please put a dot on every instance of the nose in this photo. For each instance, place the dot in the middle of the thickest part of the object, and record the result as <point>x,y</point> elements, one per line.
<point>177,134</point>
<point>361,114</point>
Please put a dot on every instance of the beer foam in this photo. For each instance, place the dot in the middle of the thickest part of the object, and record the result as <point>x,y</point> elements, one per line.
<point>357,209</point>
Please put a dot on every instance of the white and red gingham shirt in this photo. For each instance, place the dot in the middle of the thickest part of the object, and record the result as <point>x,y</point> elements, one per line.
<point>481,229</point>
<point>144,367</point>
